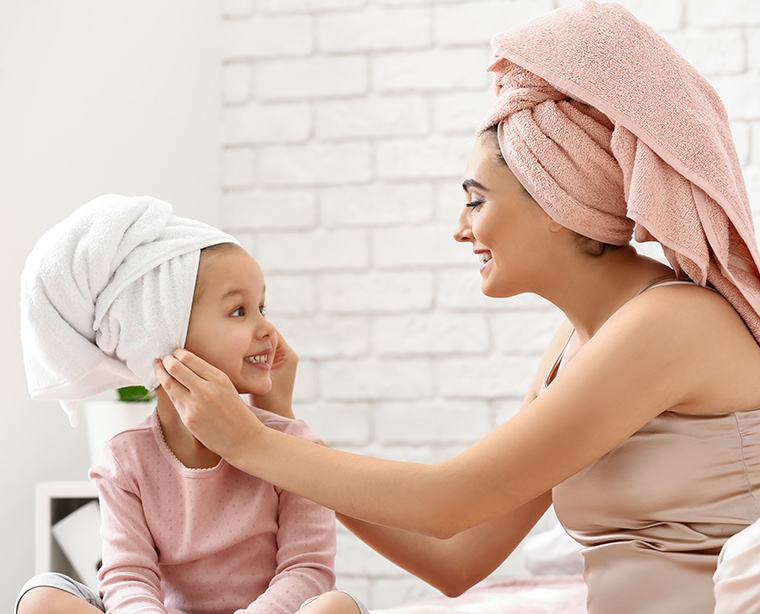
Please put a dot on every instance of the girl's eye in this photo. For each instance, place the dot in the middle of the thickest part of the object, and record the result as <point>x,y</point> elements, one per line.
<point>239,312</point>
<point>263,309</point>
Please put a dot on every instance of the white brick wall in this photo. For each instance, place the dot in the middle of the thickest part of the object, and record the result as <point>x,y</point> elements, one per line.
<point>345,126</point>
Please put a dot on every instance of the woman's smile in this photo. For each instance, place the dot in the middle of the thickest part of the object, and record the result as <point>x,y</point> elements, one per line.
<point>485,258</point>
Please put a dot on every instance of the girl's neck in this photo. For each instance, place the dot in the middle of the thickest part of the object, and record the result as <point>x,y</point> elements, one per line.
<point>185,447</point>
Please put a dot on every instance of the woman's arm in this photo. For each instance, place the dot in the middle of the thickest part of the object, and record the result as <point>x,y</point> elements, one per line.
<point>646,359</point>
<point>456,564</point>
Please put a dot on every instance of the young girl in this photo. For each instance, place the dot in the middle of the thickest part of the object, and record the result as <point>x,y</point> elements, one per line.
<point>183,531</point>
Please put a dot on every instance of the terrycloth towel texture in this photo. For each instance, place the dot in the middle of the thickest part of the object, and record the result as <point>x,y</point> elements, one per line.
<point>104,293</point>
<point>608,128</point>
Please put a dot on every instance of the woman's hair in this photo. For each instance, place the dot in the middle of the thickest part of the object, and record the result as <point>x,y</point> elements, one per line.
<point>586,245</point>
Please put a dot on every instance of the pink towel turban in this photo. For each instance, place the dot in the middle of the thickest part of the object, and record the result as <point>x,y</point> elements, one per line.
<point>610,129</point>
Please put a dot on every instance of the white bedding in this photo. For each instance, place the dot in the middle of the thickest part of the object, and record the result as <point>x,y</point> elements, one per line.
<point>534,595</point>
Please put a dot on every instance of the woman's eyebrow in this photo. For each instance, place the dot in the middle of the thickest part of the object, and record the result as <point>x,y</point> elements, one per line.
<point>471,183</point>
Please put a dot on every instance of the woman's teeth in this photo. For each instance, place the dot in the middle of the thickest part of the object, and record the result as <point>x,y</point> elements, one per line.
<point>484,257</point>
<point>256,359</point>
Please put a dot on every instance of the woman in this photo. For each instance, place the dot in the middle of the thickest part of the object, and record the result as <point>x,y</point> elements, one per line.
<point>642,422</point>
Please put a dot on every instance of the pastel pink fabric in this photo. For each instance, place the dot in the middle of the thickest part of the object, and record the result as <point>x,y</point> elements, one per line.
<point>611,130</point>
<point>178,540</point>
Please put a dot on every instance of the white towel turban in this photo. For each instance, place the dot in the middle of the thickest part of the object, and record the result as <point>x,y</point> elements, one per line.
<point>104,293</point>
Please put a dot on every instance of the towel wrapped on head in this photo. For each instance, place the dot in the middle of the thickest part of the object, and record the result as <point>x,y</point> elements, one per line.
<point>610,129</point>
<point>104,293</point>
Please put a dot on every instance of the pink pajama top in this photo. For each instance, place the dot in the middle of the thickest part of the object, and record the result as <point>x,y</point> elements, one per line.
<point>205,541</point>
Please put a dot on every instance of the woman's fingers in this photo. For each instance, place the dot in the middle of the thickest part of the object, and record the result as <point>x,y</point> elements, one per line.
<point>194,365</point>
<point>204,397</point>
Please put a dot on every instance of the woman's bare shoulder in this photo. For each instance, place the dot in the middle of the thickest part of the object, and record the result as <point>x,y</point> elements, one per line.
<point>698,341</point>
<point>686,313</point>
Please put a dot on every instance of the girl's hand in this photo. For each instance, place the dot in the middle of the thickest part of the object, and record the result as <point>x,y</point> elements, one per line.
<point>279,400</point>
<point>207,403</point>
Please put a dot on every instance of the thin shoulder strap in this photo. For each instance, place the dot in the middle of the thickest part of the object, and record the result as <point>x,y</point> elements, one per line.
<point>667,280</point>
<point>557,362</point>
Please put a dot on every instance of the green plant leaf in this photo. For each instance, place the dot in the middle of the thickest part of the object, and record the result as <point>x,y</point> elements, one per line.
<point>135,394</point>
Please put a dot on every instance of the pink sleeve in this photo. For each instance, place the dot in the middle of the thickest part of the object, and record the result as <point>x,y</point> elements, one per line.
<point>129,579</point>
<point>306,550</point>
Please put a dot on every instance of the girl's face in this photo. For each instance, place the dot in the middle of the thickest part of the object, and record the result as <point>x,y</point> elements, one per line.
<point>227,324</point>
<point>506,227</point>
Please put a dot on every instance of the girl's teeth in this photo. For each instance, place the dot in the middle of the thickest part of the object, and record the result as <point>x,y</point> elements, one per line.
<point>256,359</point>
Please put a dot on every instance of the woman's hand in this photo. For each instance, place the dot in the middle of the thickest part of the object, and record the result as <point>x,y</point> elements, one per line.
<point>279,400</point>
<point>207,403</point>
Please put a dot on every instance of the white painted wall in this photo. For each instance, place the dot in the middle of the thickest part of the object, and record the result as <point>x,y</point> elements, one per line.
<point>95,96</point>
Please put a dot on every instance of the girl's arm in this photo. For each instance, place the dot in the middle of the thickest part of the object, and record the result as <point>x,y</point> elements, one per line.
<point>129,577</point>
<point>651,356</point>
<point>305,550</point>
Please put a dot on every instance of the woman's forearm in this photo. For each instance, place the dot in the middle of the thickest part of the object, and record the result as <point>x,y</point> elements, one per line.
<point>365,483</point>
<point>456,564</point>
<point>439,500</point>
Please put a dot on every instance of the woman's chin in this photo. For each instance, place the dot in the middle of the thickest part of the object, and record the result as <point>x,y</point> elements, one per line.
<point>491,291</point>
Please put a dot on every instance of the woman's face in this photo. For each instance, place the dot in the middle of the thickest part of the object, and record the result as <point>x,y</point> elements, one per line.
<point>506,227</point>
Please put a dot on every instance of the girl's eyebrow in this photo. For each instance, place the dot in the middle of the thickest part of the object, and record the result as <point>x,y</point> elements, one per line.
<point>240,292</point>
<point>233,292</point>
<point>471,183</point>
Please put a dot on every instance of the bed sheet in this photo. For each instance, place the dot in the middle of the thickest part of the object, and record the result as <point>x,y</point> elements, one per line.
<point>533,595</point>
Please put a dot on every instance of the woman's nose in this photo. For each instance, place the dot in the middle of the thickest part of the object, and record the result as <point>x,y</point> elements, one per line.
<point>462,229</point>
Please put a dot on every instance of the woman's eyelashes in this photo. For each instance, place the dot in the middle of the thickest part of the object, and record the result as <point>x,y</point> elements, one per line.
<point>474,203</point>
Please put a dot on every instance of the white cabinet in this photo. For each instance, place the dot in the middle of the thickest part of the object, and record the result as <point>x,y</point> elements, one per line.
<point>67,530</point>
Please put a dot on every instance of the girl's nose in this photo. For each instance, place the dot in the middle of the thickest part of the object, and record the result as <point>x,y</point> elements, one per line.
<point>265,328</point>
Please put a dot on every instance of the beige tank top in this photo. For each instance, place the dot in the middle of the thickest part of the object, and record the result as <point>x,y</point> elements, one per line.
<point>654,512</point>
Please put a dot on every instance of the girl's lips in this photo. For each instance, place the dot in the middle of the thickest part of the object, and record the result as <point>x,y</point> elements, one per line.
<point>260,361</point>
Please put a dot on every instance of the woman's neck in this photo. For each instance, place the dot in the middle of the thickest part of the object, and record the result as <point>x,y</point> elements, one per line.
<point>188,450</point>
<point>589,289</point>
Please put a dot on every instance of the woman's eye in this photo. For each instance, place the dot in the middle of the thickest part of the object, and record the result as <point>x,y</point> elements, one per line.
<point>239,312</point>
<point>474,203</point>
